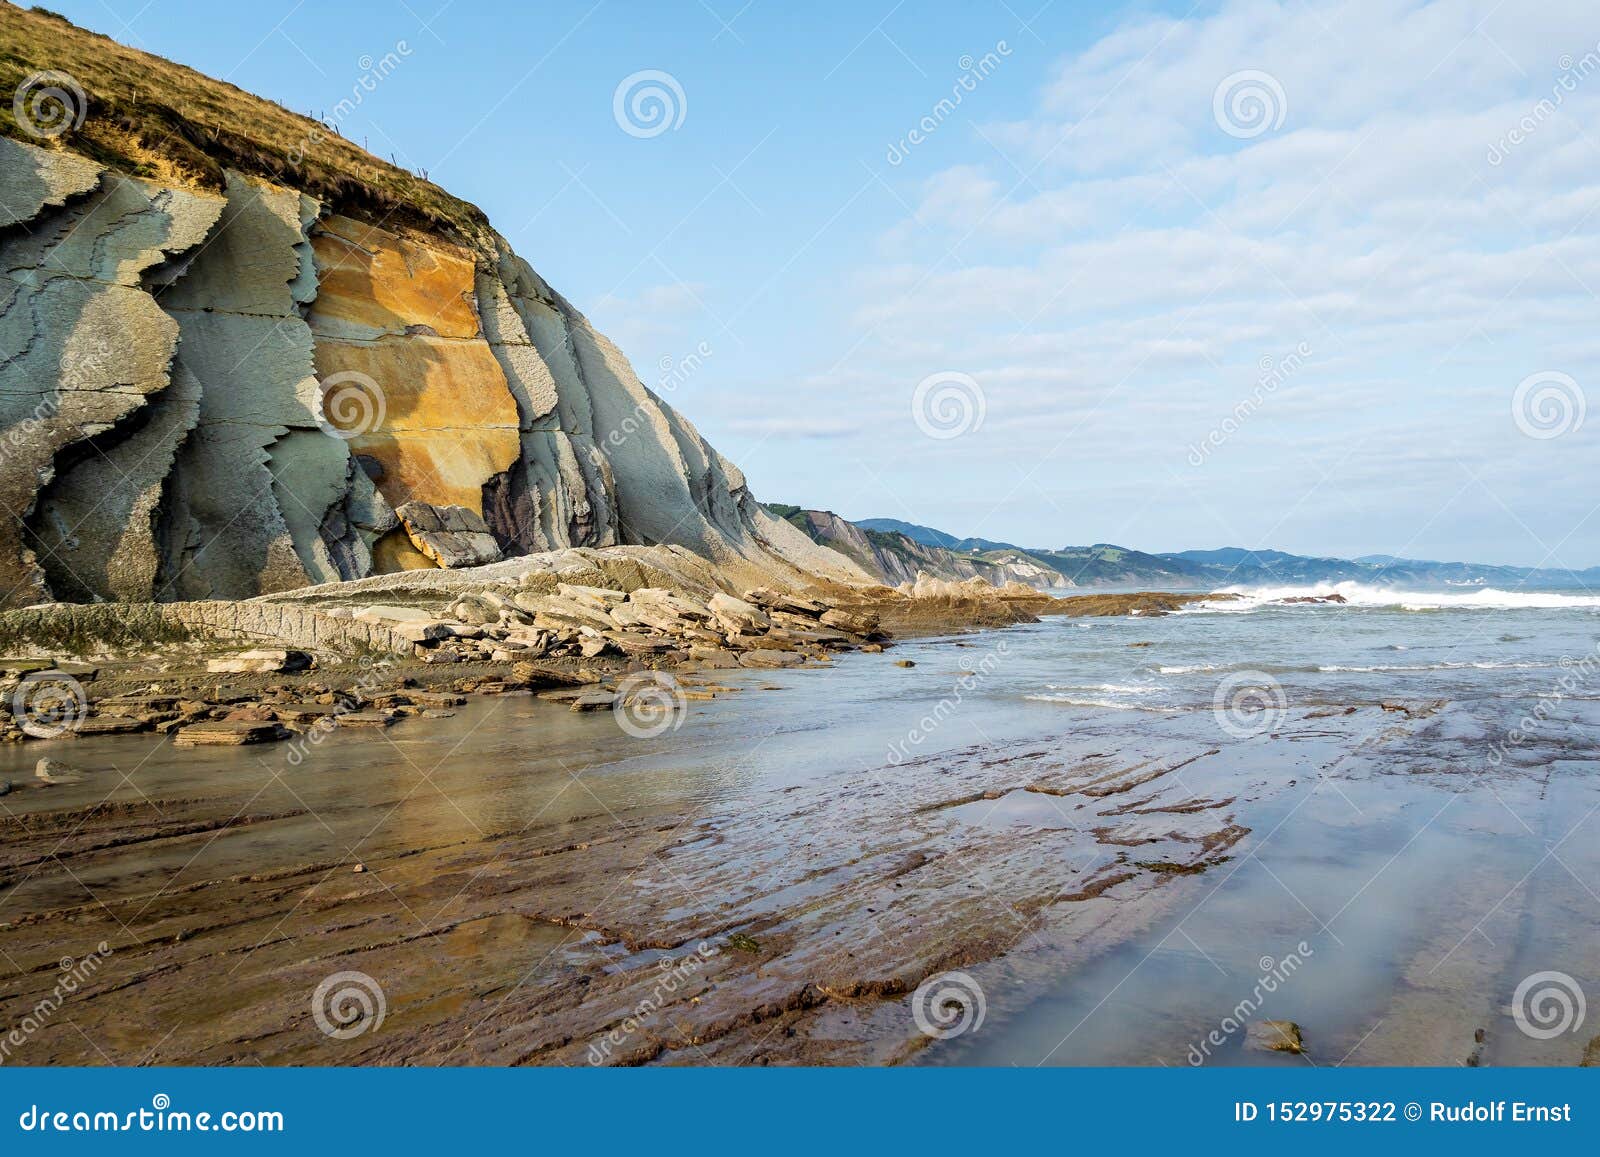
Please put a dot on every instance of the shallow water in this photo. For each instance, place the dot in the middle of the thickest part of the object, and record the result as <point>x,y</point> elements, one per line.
<point>1413,866</point>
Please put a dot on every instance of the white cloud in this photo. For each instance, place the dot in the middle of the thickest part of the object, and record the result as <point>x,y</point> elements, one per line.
<point>1116,300</point>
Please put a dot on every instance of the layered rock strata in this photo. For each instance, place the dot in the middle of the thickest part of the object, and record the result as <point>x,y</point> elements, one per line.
<point>225,394</point>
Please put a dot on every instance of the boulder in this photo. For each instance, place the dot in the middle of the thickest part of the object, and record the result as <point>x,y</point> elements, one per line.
<point>857,623</point>
<point>778,601</point>
<point>715,658</point>
<point>652,615</point>
<point>1278,1036</point>
<point>266,661</point>
<point>771,659</point>
<point>683,605</point>
<point>450,536</point>
<point>736,615</point>
<point>602,597</point>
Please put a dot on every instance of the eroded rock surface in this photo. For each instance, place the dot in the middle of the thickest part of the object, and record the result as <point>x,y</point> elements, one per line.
<point>219,396</point>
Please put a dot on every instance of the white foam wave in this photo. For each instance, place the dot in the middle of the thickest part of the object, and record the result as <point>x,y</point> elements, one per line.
<point>1366,595</point>
<point>1442,667</point>
<point>1095,701</point>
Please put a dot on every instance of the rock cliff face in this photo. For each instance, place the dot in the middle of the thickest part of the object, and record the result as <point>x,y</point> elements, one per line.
<point>217,390</point>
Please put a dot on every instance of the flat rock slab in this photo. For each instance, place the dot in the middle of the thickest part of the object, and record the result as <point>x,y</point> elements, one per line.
<point>771,659</point>
<point>229,733</point>
<point>367,719</point>
<point>112,725</point>
<point>593,701</point>
<point>267,661</point>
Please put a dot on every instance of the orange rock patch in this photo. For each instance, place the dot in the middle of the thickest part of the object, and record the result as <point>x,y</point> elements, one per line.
<point>399,314</point>
<point>371,278</point>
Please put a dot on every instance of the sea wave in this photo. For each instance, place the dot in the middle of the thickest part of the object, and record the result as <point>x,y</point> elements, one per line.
<point>1485,666</point>
<point>1096,701</point>
<point>1106,688</point>
<point>1357,594</point>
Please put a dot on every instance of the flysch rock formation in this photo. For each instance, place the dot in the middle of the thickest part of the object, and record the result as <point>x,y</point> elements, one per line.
<point>222,395</point>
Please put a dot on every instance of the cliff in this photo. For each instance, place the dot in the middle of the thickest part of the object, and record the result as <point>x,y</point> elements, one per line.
<point>239,355</point>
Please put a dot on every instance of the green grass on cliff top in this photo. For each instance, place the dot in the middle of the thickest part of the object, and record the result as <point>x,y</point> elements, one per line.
<point>151,118</point>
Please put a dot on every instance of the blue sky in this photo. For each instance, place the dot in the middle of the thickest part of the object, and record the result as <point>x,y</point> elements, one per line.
<point>1301,320</point>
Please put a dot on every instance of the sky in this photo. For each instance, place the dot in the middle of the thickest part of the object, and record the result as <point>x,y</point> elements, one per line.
<point>1317,277</point>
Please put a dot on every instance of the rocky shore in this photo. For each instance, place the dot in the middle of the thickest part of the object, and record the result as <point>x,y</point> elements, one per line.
<point>571,627</point>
